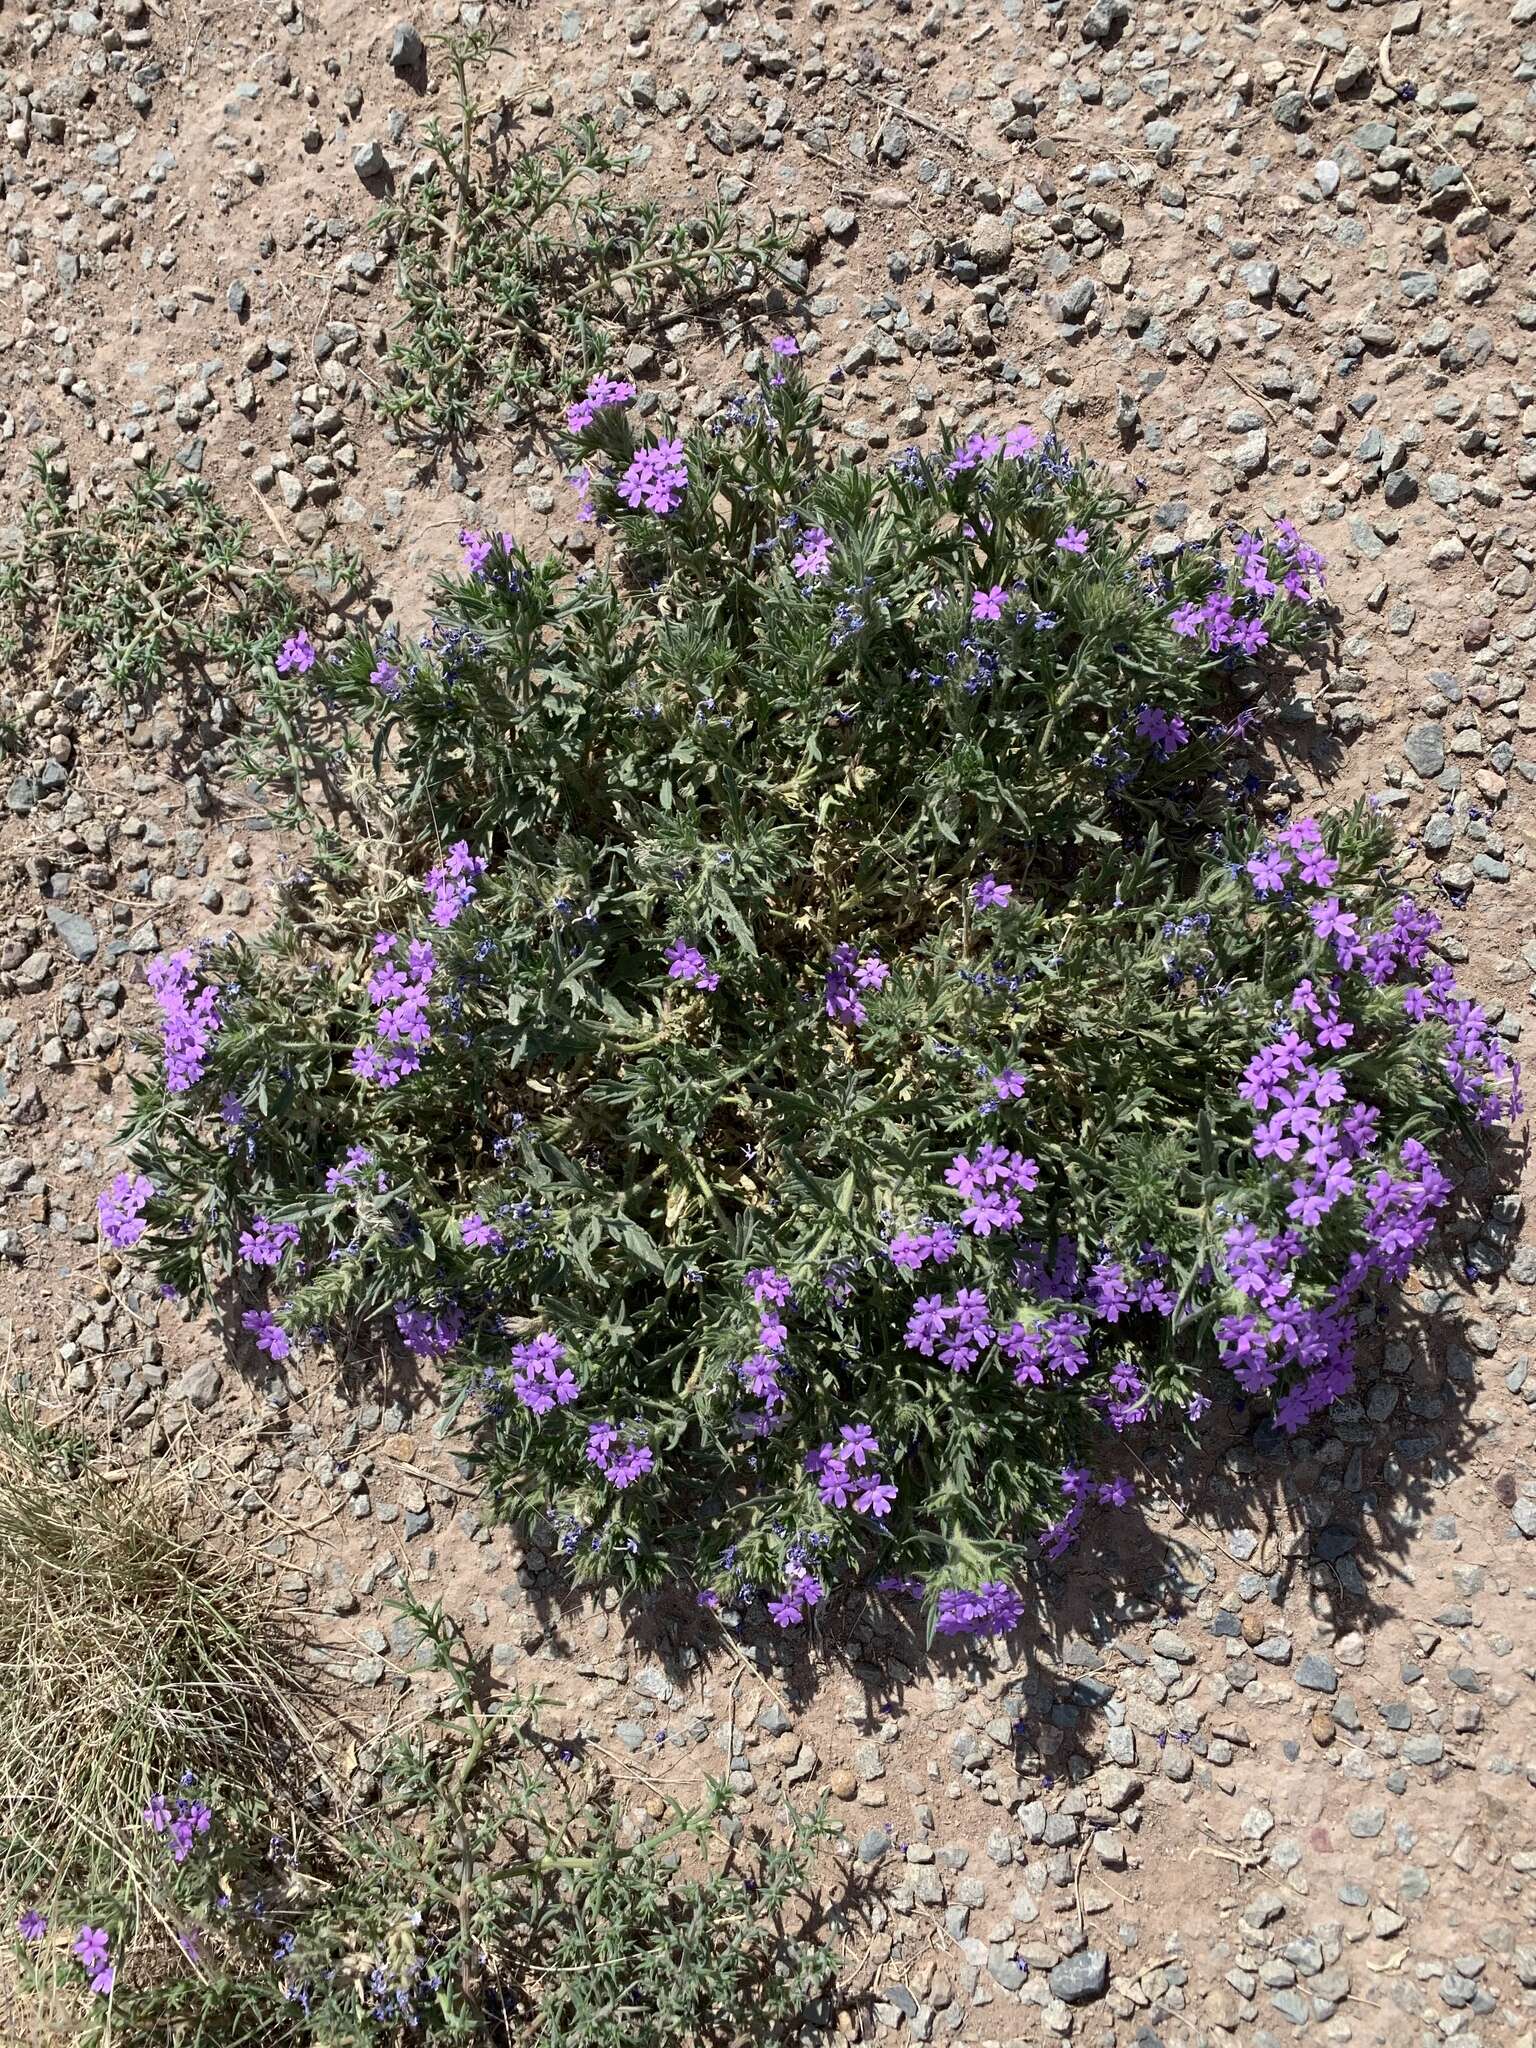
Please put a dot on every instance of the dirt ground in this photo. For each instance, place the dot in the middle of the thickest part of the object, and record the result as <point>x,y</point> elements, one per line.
<point>1264,1771</point>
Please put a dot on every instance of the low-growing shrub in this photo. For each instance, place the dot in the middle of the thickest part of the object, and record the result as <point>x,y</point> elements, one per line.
<point>820,1041</point>
<point>495,1890</point>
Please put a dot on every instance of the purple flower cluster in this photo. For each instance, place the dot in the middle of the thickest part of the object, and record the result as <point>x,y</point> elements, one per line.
<point>957,1331</point>
<point>476,549</point>
<point>269,1333</point>
<point>296,655</point>
<point>89,1948</point>
<point>845,1473</point>
<point>1324,1149</point>
<point>189,1017</point>
<point>990,1609</point>
<point>991,1185</point>
<point>1165,733</point>
<point>1482,1073</point>
<point>450,886</point>
<point>1016,445</point>
<point>814,556</point>
<point>759,1371</point>
<point>1298,849</point>
<point>540,1379</point>
<point>429,1332</point>
<point>656,477</point>
<point>802,1590</point>
<point>1081,1492</point>
<point>1217,616</point>
<point>344,1178</point>
<point>687,964</point>
<point>910,1250</point>
<point>619,1457</point>
<point>183,1821</point>
<point>399,995</point>
<point>120,1210</point>
<point>602,392</point>
<point>266,1243</point>
<point>849,974</point>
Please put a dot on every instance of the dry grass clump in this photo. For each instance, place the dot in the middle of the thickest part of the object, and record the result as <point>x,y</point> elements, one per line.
<point>129,1656</point>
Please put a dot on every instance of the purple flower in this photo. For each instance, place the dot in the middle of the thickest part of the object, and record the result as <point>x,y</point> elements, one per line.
<point>385,677</point>
<point>875,1496</point>
<point>602,392</point>
<point>814,556</point>
<point>104,1979</point>
<point>621,1462</point>
<point>266,1242</point>
<point>765,1284</point>
<point>656,477</point>
<point>430,1333</point>
<point>119,1210</point>
<point>32,1926</point>
<point>972,452</point>
<point>450,886</point>
<point>991,894</point>
<point>784,345</point>
<point>188,1027</point>
<point>297,653</point>
<point>539,1380</point>
<point>1165,733</point>
<point>988,604</point>
<point>1267,870</point>
<point>90,1946</point>
<point>687,964</point>
<point>993,1608</point>
<point>1020,441</point>
<point>1074,541</point>
<point>847,973</point>
<point>269,1333</point>
<point>479,1235</point>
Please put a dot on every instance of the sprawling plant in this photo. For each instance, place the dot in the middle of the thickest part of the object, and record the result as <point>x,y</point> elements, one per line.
<point>498,1889</point>
<point>815,1035</point>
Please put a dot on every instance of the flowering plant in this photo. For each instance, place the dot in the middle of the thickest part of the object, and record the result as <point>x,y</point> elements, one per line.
<point>497,1887</point>
<point>838,1048</point>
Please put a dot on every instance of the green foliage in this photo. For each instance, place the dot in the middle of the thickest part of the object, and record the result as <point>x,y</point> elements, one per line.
<point>935,769</point>
<point>158,587</point>
<point>521,267</point>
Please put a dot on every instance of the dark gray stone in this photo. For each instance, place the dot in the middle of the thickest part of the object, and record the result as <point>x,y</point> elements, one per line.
<point>1079,1979</point>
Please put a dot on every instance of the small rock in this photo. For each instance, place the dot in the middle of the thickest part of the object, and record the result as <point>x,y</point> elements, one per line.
<point>1079,1979</point>
<point>1316,1673</point>
<point>369,160</point>
<point>406,49</point>
<point>199,1385</point>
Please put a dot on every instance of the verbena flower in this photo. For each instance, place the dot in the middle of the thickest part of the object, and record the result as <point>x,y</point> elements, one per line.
<point>120,1210</point>
<point>656,478</point>
<point>296,655</point>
